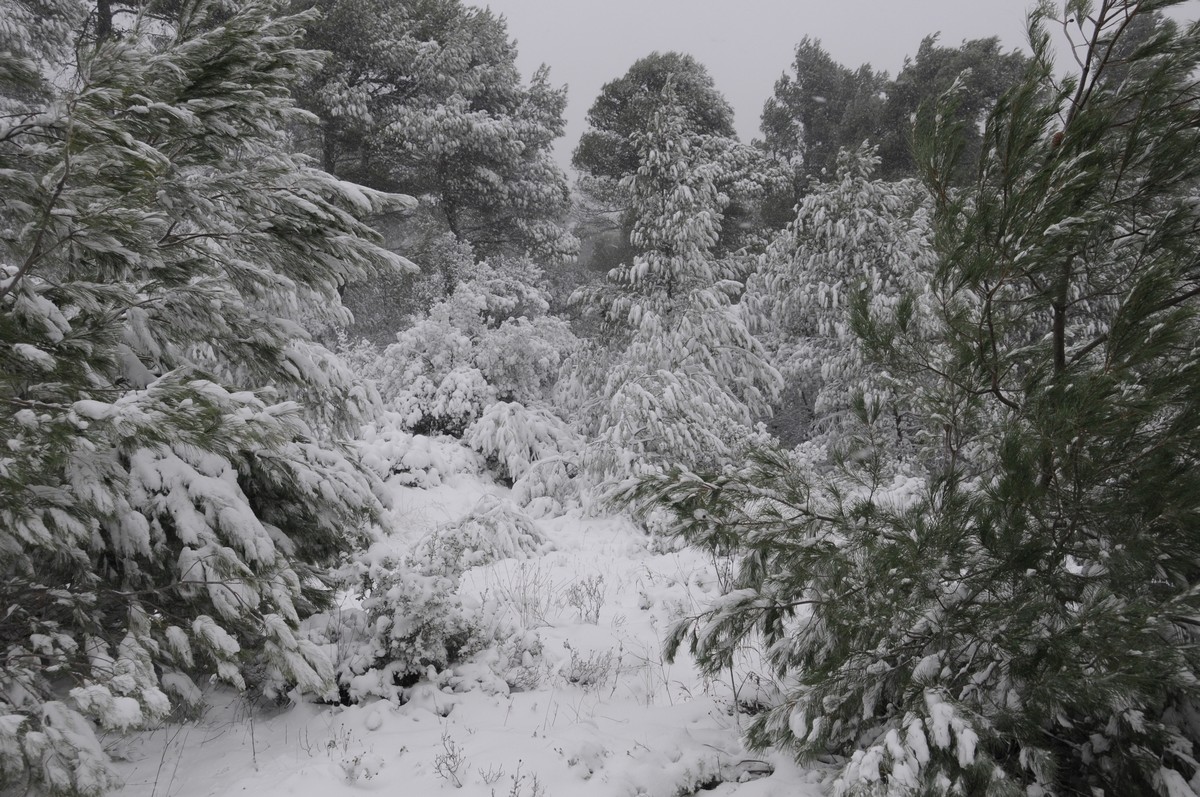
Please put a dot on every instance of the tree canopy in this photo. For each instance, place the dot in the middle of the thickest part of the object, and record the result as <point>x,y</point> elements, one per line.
<point>626,107</point>
<point>424,97</point>
<point>822,107</point>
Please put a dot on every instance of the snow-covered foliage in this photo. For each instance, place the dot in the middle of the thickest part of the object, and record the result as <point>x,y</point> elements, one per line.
<point>493,530</point>
<point>755,188</point>
<point>533,449</point>
<point>427,98</point>
<point>491,340</point>
<point>413,623</point>
<point>447,406</point>
<point>1008,607</point>
<point>165,512</point>
<point>854,239</point>
<point>415,460</point>
<point>691,373</point>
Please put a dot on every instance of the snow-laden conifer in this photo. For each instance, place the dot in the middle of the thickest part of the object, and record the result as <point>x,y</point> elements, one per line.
<point>425,97</point>
<point>689,373</point>
<point>165,507</point>
<point>1011,608</point>
<point>853,238</point>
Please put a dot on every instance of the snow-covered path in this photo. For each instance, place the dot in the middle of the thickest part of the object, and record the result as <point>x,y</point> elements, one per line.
<point>603,713</point>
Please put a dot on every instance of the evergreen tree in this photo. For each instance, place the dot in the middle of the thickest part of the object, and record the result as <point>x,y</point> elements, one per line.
<point>751,185</point>
<point>691,376</point>
<point>821,109</point>
<point>626,107</point>
<point>424,97</point>
<point>852,236</point>
<point>165,512</point>
<point>982,71</point>
<point>825,107</point>
<point>1010,609</point>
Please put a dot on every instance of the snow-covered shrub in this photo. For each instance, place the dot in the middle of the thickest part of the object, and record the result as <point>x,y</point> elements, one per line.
<point>519,659</point>
<point>410,623</point>
<point>445,407</point>
<point>525,592</point>
<point>591,670</point>
<point>549,487</point>
<point>587,596</point>
<point>414,460</point>
<point>521,357</point>
<point>491,339</point>
<point>511,662</point>
<point>360,355</point>
<point>520,440</point>
<point>507,288</point>
<point>494,529</point>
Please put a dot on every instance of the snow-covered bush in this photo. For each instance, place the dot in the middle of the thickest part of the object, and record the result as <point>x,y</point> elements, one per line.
<point>409,624</point>
<point>532,449</point>
<point>417,618</point>
<point>521,357</point>
<point>444,407</point>
<point>511,662</point>
<point>494,529</point>
<point>491,339</point>
<point>413,460</point>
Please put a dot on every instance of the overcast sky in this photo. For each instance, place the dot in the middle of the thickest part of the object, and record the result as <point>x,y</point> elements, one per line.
<point>746,44</point>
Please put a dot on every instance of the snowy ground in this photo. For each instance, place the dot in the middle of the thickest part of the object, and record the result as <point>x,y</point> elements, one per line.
<point>607,716</point>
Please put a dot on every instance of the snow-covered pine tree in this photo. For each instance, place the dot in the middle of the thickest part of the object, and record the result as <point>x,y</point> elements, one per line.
<point>424,96</point>
<point>690,377</point>
<point>164,514</point>
<point>1016,613</point>
<point>852,236</point>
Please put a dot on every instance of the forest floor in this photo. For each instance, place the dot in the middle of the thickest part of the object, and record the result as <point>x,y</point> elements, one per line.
<point>605,715</point>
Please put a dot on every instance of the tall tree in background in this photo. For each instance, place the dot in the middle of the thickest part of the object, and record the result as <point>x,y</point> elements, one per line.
<point>608,153</point>
<point>1011,608</point>
<point>821,108</point>
<point>982,70</point>
<point>824,107</point>
<point>689,378</point>
<point>626,107</point>
<point>165,515</point>
<point>424,97</point>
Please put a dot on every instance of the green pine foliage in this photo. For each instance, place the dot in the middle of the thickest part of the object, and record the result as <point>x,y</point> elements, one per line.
<point>166,511</point>
<point>1011,606</point>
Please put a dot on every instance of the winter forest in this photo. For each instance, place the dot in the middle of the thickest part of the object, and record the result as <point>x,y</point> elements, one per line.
<point>353,444</point>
